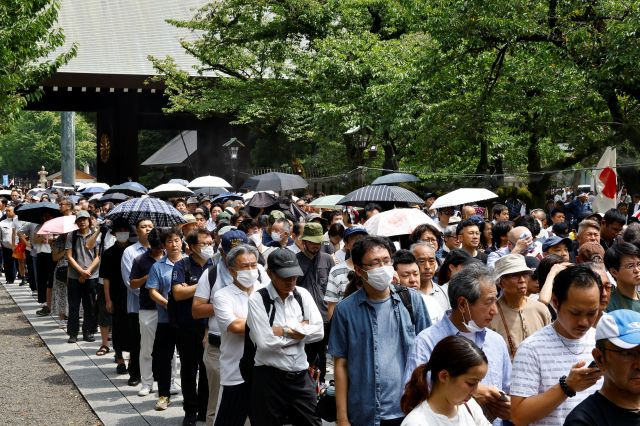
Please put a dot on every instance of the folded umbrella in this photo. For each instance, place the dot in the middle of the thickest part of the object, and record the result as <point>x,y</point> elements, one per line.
<point>133,189</point>
<point>275,181</point>
<point>33,212</point>
<point>397,222</point>
<point>463,196</point>
<point>168,190</point>
<point>158,211</point>
<point>383,194</point>
<point>59,225</point>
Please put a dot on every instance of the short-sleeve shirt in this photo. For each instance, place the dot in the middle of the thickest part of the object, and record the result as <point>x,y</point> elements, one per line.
<point>598,410</point>
<point>160,279</point>
<point>141,267</point>
<point>188,271</point>
<point>6,229</point>
<point>620,301</point>
<point>81,254</point>
<point>337,283</point>
<point>110,269</point>
<point>540,362</point>
<point>469,415</point>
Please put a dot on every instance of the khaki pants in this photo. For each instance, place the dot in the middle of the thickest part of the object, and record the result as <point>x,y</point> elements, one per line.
<point>211,358</point>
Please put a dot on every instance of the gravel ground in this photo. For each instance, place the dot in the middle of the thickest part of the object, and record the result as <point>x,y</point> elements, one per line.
<point>34,389</point>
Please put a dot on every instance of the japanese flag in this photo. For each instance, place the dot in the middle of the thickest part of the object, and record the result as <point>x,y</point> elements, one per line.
<point>605,177</point>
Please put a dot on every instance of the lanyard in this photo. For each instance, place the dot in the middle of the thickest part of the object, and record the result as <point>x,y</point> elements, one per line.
<point>512,346</point>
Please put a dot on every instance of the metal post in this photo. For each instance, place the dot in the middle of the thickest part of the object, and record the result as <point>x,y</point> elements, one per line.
<point>68,147</point>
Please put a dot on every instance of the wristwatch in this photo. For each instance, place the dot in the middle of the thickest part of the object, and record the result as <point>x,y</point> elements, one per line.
<point>565,387</point>
<point>285,332</point>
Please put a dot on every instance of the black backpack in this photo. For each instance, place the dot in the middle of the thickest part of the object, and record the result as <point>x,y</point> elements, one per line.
<point>405,297</point>
<point>248,357</point>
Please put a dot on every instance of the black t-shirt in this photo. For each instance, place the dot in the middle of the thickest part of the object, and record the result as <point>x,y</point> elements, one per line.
<point>597,410</point>
<point>141,267</point>
<point>110,269</point>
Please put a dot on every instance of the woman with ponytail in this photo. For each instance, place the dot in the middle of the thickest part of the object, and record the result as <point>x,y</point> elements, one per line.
<point>439,392</point>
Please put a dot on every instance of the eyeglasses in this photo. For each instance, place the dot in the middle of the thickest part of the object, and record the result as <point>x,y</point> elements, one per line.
<point>624,353</point>
<point>378,263</point>
<point>632,266</point>
<point>431,241</point>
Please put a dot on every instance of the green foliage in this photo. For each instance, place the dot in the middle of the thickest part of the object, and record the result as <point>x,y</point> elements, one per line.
<point>33,140</point>
<point>27,36</point>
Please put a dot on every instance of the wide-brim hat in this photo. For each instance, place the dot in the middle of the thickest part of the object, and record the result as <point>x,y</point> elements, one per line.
<point>313,232</point>
<point>511,264</point>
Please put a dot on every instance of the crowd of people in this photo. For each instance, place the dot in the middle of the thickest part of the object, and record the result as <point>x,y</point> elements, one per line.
<point>506,315</point>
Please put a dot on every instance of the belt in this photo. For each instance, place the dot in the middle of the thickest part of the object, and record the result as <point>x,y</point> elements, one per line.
<point>289,375</point>
<point>214,340</point>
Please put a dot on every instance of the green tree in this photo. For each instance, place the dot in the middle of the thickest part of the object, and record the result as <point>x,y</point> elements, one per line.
<point>33,140</point>
<point>27,37</point>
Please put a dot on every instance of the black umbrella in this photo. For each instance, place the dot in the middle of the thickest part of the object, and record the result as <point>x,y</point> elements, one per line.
<point>392,178</point>
<point>116,197</point>
<point>133,189</point>
<point>262,200</point>
<point>275,181</point>
<point>33,212</point>
<point>381,194</point>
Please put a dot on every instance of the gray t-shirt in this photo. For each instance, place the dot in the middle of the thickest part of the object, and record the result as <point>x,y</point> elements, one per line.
<point>315,278</point>
<point>81,254</point>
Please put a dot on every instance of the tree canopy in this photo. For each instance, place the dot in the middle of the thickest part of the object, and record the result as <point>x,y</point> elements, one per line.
<point>459,86</point>
<point>28,35</point>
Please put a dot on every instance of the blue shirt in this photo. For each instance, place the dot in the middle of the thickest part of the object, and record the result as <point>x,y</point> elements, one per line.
<point>160,279</point>
<point>491,343</point>
<point>356,335</point>
<point>133,294</point>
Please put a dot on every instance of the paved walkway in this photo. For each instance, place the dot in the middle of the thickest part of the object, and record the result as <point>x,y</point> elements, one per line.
<point>109,396</point>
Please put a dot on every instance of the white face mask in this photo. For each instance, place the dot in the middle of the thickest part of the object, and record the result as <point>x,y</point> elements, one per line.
<point>256,238</point>
<point>275,236</point>
<point>471,325</point>
<point>121,237</point>
<point>247,278</point>
<point>380,278</point>
<point>207,252</point>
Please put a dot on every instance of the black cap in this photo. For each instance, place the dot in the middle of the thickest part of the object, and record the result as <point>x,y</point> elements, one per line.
<point>284,263</point>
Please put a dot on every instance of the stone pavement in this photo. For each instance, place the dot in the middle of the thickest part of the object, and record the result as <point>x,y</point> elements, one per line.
<point>112,400</point>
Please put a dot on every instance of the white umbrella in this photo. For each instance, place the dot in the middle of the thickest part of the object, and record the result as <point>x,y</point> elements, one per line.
<point>208,181</point>
<point>463,196</point>
<point>100,185</point>
<point>397,222</point>
<point>167,190</point>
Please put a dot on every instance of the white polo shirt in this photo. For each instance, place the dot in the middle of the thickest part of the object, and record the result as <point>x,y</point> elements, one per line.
<point>231,303</point>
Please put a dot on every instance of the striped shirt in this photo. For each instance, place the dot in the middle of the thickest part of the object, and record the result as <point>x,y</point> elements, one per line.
<point>337,283</point>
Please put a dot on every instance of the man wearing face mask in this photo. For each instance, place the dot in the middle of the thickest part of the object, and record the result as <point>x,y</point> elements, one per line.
<point>231,305</point>
<point>371,333</point>
<point>280,234</point>
<point>315,267</point>
<point>191,332</point>
<point>203,308</point>
<point>473,297</point>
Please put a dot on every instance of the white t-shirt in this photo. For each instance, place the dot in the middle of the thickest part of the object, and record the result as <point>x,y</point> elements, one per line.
<point>231,303</point>
<point>423,415</point>
<point>433,307</point>
<point>542,359</point>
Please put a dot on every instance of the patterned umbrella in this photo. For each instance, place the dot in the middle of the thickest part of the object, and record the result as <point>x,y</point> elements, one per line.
<point>397,222</point>
<point>275,181</point>
<point>380,194</point>
<point>160,212</point>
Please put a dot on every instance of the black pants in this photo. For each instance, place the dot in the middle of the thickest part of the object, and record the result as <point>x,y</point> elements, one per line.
<point>278,397</point>
<point>9,265</point>
<point>32,272</point>
<point>119,330</point>
<point>392,422</point>
<point>195,395</point>
<point>134,345</point>
<point>86,293</point>
<point>234,406</point>
<point>43,273</point>
<point>317,352</point>
<point>163,347</point>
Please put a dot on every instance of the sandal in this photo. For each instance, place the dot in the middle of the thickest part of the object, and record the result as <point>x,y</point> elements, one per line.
<point>103,350</point>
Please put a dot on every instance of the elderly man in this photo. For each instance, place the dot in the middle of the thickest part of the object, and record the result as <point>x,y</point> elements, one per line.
<point>617,355</point>
<point>520,242</point>
<point>472,293</point>
<point>551,373</point>
<point>425,257</point>
<point>371,333</point>
<point>408,271</point>
<point>519,316</point>
<point>282,318</point>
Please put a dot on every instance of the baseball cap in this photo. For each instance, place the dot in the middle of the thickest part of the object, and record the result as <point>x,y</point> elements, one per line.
<point>621,327</point>
<point>82,214</point>
<point>224,215</point>
<point>354,230</point>
<point>313,216</point>
<point>233,238</point>
<point>554,241</point>
<point>312,232</point>
<point>192,200</point>
<point>510,264</point>
<point>275,215</point>
<point>223,230</point>
<point>284,263</point>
